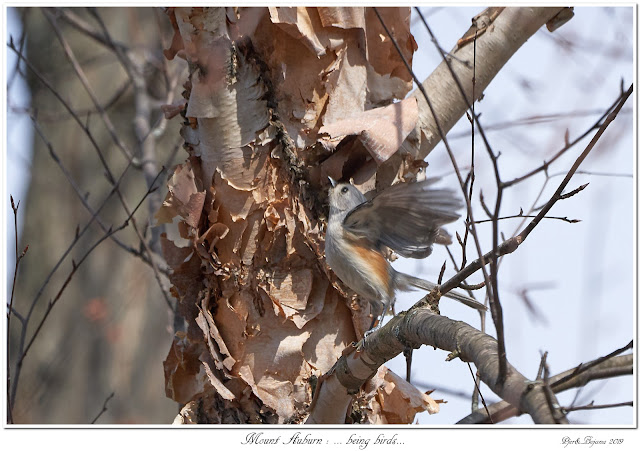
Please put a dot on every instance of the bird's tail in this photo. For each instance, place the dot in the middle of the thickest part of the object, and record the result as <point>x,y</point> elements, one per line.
<point>405,282</point>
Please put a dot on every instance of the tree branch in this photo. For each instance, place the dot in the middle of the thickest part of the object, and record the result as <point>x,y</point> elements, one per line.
<point>558,193</point>
<point>10,311</point>
<point>417,327</point>
<point>510,30</point>
<point>75,265</point>
<point>612,367</point>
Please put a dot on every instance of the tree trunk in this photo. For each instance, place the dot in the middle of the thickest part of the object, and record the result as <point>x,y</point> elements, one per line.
<point>279,99</point>
<point>89,345</point>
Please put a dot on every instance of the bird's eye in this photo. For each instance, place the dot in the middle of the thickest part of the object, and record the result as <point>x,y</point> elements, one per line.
<point>344,189</point>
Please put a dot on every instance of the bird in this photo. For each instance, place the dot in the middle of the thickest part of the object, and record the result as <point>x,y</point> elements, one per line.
<point>406,218</point>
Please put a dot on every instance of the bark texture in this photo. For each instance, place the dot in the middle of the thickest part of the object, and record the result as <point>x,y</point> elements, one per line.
<point>277,100</point>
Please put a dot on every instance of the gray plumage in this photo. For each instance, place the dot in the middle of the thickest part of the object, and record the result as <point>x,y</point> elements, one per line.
<point>406,218</point>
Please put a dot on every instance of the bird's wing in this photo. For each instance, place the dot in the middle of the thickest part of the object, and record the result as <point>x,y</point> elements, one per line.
<point>406,217</point>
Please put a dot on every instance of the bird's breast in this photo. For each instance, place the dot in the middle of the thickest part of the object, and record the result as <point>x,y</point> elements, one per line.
<point>358,265</point>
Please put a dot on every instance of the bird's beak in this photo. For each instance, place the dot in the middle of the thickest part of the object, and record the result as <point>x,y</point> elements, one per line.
<point>332,181</point>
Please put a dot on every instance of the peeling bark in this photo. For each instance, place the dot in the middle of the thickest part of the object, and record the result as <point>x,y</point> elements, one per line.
<point>278,99</point>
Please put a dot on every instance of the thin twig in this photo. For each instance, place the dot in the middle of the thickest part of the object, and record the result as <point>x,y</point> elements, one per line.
<point>445,142</point>
<point>595,173</point>
<point>95,214</point>
<point>87,86</point>
<point>84,27</point>
<point>558,193</point>
<point>521,215</point>
<point>559,153</point>
<point>543,363</point>
<point>468,287</point>
<point>472,169</point>
<point>512,243</point>
<point>477,389</point>
<point>408,355</point>
<point>591,406</point>
<point>104,163</point>
<point>558,416</point>
<point>10,311</point>
<point>16,69</point>
<point>491,279</point>
<point>104,407</point>
<point>613,367</point>
<point>54,301</point>
<point>582,368</point>
<point>54,116</point>
<point>538,119</point>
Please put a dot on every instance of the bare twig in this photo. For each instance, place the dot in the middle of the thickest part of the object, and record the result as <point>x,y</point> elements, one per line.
<point>95,214</point>
<point>471,177</point>
<point>558,416</point>
<point>446,144</point>
<point>54,301</point>
<point>543,363</point>
<point>408,355</point>
<point>541,119</point>
<point>522,215</point>
<point>591,406</point>
<point>491,281</point>
<point>573,192</point>
<point>545,166</point>
<point>512,244</point>
<point>87,87</point>
<point>84,27</point>
<point>603,368</point>
<point>558,193</point>
<point>146,142</point>
<point>477,390</point>
<point>104,163</point>
<point>442,269</point>
<point>476,286</point>
<point>104,407</point>
<point>16,69</point>
<point>583,368</point>
<point>595,173</point>
<point>10,312</point>
<point>54,116</point>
